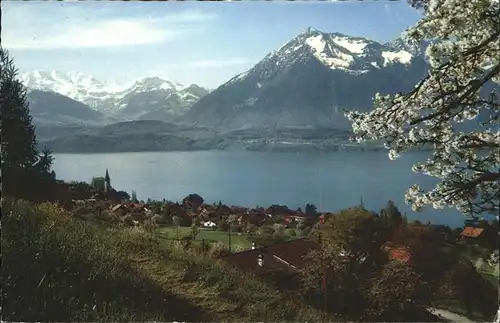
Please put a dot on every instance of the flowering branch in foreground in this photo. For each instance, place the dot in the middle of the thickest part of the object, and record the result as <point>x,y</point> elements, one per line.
<point>462,85</point>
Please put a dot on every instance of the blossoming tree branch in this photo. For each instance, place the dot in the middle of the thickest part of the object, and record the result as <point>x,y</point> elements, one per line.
<point>462,87</point>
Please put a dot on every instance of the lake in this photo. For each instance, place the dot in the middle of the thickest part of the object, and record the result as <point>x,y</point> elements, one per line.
<point>331,181</point>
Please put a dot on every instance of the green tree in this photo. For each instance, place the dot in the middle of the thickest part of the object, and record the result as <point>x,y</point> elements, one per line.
<point>311,210</point>
<point>155,206</point>
<point>355,233</point>
<point>250,228</point>
<point>176,221</point>
<point>266,230</point>
<point>396,293</point>
<point>350,249</point>
<point>405,221</point>
<point>300,226</point>
<point>222,225</point>
<point>97,183</point>
<point>134,196</point>
<point>196,222</point>
<point>361,203</point>
<point>18,133</point>
<point>391,216</point>
<point>25,173</point>
<point>45,161</point>
<point>232,220</point>
<point>279,229</point>
<point>489,238</point>
<point>194,230</point>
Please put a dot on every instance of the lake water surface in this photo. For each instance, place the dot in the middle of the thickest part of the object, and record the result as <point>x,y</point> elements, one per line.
<point>331,181</point>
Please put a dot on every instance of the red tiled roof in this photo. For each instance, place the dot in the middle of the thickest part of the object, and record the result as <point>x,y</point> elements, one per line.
<point>117,207</point>
<point>401,254</point>
<point>471,232</point>
<point>397,252</point>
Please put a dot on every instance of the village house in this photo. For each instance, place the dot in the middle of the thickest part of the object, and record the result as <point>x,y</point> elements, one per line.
<point>397,252</point>
<point>285,261</point>
<point>173,209</point>
<point>238,210</point>
<point>257,212</point>
<point>279,209</point>
<point>287,257</point>
<point>139,211</point>
<point>209,224</point>
<point>205,213</point>
<point>226,210</point>
<point>470,233</point>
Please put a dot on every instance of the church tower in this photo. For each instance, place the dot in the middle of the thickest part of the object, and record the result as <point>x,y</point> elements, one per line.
<point>107,182</point>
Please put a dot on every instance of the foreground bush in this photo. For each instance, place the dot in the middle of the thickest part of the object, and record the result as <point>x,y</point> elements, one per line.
<point>58,268</point>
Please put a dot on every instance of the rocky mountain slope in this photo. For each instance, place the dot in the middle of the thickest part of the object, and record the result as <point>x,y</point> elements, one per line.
<point>50,108</point>
<point>146,98</point>
<point>309,81</point>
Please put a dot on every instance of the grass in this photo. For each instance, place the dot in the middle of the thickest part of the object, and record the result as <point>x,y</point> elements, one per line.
<point>239,240</point>
<point>473,253</point>
<point>58,268</point>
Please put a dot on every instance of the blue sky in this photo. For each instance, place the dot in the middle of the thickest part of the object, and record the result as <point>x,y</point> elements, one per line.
<point>205,43</point>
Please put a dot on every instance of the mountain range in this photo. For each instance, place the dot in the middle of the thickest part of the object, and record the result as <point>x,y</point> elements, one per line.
<point>147,98</point>
<point>306,83</point>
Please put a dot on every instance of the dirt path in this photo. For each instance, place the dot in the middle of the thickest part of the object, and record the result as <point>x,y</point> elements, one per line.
<point>449,316</point>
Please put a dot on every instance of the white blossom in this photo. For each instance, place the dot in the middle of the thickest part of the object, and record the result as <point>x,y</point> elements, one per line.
<point>462,85</point>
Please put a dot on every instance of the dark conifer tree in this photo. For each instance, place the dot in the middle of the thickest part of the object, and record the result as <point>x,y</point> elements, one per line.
<point>25,174</point>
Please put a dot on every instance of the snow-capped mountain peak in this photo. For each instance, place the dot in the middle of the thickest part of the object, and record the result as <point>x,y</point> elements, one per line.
<point>68,84</point>
<point>141,96</point>
<point>354,45</point>
<point>308,82</point>
<point>85,80</point>
<point>354,55</point>
<point>154,83</point>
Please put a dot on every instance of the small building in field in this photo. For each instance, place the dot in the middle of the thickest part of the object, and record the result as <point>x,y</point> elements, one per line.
<point>209,224</point>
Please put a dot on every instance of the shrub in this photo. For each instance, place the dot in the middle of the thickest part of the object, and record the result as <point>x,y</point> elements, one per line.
<point>222,225</point>
<point>158,219</point>
<point>219,249</point>
<point>149,225</point>
<point>82,210</point>
<point>128,220</point>
<point>265,230</point>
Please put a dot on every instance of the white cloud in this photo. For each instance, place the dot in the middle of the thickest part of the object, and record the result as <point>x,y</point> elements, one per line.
<point>208,63</point>
<point>25,27</point>
<point>105,34</point>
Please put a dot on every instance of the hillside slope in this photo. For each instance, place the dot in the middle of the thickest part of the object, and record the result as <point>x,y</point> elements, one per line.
<point>54,108</point>
<point>59,268</point>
